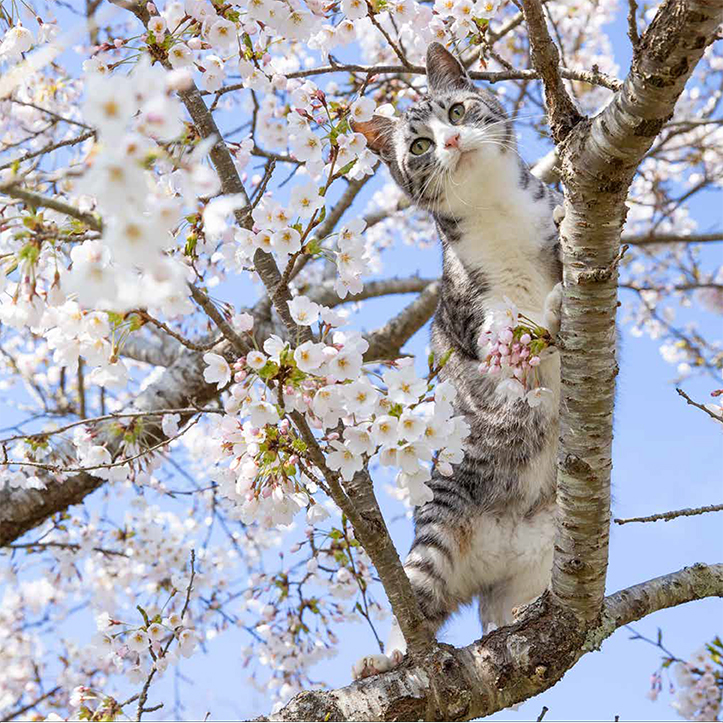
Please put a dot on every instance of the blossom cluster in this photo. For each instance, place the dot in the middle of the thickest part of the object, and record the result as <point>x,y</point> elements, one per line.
<point>698,683</point>
<point>406,421</point>
<point>512,347</point>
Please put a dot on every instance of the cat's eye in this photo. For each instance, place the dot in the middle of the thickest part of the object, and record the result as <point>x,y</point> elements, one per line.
<point>420,145</point>
<point>456,113</point>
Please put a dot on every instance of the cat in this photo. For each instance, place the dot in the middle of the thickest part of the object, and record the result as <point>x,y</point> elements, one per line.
<point>489,531</point>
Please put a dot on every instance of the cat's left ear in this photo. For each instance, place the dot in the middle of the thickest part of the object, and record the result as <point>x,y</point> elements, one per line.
<point>379,132</point>
<point>444,71</point>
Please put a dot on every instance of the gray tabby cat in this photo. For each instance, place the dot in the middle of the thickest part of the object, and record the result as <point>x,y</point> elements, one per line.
<point>488,533</point>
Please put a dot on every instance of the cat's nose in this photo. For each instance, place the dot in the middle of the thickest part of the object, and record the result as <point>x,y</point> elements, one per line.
<point>452,141</point>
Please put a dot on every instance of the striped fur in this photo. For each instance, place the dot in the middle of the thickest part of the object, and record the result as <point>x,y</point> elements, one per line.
<point>488,532</point>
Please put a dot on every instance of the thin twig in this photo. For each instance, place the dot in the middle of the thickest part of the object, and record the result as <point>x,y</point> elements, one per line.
<point>178,337</point>
<point>702,407</point>
<point>687,512</point>
<point>26,708</point>
<point>36,199</point>
<point>51,147</point>
<point>586,76</point>
<point>63,546</point>
<point>74,470</point>
<point>51,113</point>
<point>143,696</point>
<point>106,417</point>
<point>225,328</point>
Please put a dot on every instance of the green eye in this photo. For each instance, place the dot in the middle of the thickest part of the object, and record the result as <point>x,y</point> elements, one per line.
<point>421,145</point>
<point>456,113</point>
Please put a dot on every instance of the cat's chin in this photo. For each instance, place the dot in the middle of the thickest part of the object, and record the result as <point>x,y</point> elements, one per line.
<point>465,163</point>
<point>464,160</point>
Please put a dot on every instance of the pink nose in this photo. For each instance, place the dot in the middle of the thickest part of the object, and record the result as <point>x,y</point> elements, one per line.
<point>452,141</point>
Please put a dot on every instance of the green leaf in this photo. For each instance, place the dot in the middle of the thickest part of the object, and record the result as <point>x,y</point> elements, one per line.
<point>345,169</point>
<point>268,370</point>
<point>29,253</point>
<point>144,614</point>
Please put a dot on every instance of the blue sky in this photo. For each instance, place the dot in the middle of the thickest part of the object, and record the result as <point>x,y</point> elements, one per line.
<point>667,455</point>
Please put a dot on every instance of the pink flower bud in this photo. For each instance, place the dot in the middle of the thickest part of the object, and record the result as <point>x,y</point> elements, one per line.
<point>151,8</point>
<point>534,361</point>
<point>118,43</point>
<point>504,350</point>
<point>524,352</point>
<point>506,335</point>
<point>333,435</point>
<point>525,339</point>
<point>267,492</point>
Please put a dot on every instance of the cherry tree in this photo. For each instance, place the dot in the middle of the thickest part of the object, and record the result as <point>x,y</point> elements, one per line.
<point>191,235</point>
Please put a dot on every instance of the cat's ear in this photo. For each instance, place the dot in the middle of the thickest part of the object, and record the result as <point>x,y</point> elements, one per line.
<point>379,132</point>
<point>444,71</point>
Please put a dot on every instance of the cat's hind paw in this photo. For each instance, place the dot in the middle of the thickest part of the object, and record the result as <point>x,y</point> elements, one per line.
<point>376,664</point>
<point>553,310</point>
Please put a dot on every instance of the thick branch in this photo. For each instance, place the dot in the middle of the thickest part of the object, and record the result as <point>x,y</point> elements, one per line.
<point>563,115</point>
<point>598,161</point>
<point>506,666</point>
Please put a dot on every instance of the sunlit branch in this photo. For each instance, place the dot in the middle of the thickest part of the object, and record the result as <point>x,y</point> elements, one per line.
<point>673,514</point>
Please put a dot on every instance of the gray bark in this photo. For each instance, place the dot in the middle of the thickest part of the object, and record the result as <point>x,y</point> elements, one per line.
<point>506,666</point>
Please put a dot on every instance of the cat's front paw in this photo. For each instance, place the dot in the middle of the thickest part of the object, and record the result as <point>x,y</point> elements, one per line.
<point>553,310</point>
<point>375,664</point>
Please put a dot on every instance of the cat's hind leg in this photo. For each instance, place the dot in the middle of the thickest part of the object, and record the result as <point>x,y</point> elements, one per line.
<point>500,602</point>
<point>433,566</point>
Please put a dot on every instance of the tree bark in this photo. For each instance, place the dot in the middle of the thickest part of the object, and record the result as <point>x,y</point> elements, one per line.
<point>506,666</point>
<point>598,160</point>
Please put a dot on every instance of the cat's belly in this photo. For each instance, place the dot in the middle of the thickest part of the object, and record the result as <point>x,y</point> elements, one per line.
<point>503,547</point>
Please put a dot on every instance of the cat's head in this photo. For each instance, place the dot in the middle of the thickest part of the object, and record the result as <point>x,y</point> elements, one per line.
<point>446,141</point>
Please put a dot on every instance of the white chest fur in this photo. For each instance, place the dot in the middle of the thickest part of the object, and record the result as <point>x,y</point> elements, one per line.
<point>503,229</point>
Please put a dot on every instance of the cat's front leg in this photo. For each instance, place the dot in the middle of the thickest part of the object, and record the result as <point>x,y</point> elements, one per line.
<point>553,310</point>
